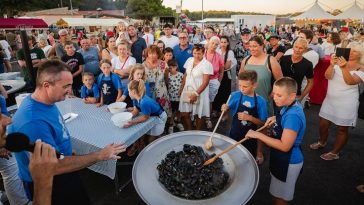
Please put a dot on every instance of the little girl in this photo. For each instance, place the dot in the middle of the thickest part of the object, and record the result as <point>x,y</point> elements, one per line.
<point>167,55</point>
<point>137,72</point>
<point>174,84</point>
<point>147,107</point>
<point>122,33</point>
<point>109,84</point>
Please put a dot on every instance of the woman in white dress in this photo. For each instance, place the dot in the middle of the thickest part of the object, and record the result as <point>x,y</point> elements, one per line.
<point>196,77</point>
<point>340,106</point>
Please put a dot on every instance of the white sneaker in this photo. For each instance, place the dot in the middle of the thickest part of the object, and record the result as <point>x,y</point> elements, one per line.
<point>170,130</point>
<point>208,124</point>
<point>180,127</point>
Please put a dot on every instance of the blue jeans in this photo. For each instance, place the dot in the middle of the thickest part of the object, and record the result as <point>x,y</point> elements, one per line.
<point>13,185</point>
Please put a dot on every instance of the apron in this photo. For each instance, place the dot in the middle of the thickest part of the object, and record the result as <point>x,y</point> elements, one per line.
<point>90,94</point>
<point>109,91</point>
<point>279,161</point>
<point>238,130</point>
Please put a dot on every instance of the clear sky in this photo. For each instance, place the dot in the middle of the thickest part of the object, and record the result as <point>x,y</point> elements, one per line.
<point>262,6</point>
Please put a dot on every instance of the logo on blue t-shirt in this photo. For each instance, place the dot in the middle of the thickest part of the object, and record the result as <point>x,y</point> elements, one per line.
<point>66,134</point>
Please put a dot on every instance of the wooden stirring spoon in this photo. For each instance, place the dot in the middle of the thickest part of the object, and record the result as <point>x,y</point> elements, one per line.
<point>208,143</point>
<point>231,147</point>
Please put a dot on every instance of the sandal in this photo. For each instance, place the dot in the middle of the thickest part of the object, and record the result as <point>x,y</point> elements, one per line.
<point>360,188</point>
<point>259,160</point>
<point>317,145</point>
<point>329,156</point>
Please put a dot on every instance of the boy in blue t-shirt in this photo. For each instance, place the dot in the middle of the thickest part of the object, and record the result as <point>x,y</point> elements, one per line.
<point>286,159</point>
<point>109,84</point>
<point>248,109</point>
<point>90,92</point>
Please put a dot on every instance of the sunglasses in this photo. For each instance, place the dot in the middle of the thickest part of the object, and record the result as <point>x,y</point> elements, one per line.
<point>292,69</point>
<point>182,37</point>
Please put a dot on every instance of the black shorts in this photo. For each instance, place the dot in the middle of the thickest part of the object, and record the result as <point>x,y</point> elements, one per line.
<point>175,106</point>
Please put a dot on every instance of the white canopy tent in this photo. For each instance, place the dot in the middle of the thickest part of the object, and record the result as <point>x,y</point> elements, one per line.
<point>93,22</point>
<point>315,12</point>
<point>354,12</point>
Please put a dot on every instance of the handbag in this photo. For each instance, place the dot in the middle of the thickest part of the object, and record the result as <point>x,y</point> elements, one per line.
<point>188,91</point>
<point>361,106</point>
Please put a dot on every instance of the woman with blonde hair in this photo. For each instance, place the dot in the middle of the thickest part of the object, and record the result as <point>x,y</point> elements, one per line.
<point>340,106</point>
<point>122,63</point>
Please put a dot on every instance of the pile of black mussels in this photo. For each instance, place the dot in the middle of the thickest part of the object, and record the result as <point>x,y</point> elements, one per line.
<point>183,174</point>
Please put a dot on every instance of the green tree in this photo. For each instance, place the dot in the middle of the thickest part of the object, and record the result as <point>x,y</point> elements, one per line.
<point>147,9</point>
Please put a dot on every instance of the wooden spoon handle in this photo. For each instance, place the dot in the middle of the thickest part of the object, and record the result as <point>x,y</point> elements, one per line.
<point>218,121</point>
<point>231,147</point>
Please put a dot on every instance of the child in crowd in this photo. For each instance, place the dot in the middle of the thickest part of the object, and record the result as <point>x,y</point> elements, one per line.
<point>90,92</point>
<point>286,159</point>
<point>75,61</point>
<point>248,109</point>
<point>109,84</point>
<point>148,107</point>
<point>167,55</point>
<point>122,33</point>
<point>174,84</point>
<point>137,72</point>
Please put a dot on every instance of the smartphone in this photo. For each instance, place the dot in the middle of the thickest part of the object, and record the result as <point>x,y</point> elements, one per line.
<point>344,52</point>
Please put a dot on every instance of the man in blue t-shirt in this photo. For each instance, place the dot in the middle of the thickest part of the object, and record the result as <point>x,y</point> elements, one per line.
<point>91,57</point>
<point>183,51</point>
<point>39,118</point>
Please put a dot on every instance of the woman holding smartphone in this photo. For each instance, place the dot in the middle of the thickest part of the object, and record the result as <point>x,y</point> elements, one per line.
<point>340,106</point>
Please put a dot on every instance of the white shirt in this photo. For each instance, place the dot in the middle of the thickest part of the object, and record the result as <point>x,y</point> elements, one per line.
<point>6,47</point>
<point>117,64</point>
<point>149,39</point>
<point>46,50</point>
<point>170,42</point>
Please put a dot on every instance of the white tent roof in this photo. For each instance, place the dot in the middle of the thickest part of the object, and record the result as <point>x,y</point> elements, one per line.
<point>215,20</point>
<point>354,12</point>
<point>93,21</point>
<point>315,12</point>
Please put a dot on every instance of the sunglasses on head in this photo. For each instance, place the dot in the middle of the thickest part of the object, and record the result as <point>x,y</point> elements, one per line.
<point>199,45</point>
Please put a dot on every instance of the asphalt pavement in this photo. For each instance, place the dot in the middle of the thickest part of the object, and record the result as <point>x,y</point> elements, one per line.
<point>321,182</point>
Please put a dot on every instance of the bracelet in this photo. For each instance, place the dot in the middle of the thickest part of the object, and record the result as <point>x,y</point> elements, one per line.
<point>196,93</point>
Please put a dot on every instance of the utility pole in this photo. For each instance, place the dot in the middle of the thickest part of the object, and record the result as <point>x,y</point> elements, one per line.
<point>71,7</point>
<point>202,16</point>
<point>61,3</point>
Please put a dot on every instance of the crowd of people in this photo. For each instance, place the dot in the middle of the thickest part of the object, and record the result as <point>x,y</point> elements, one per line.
<point>185,79</point>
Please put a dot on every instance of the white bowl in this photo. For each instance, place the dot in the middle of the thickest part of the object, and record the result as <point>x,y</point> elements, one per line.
<point>121,119</point>
<point>117,107</point>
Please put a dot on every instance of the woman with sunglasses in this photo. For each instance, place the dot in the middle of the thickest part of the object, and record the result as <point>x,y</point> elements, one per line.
<point>298,67</point>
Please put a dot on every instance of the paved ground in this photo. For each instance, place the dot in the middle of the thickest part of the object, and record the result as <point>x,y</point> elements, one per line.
<point>320,183</point>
